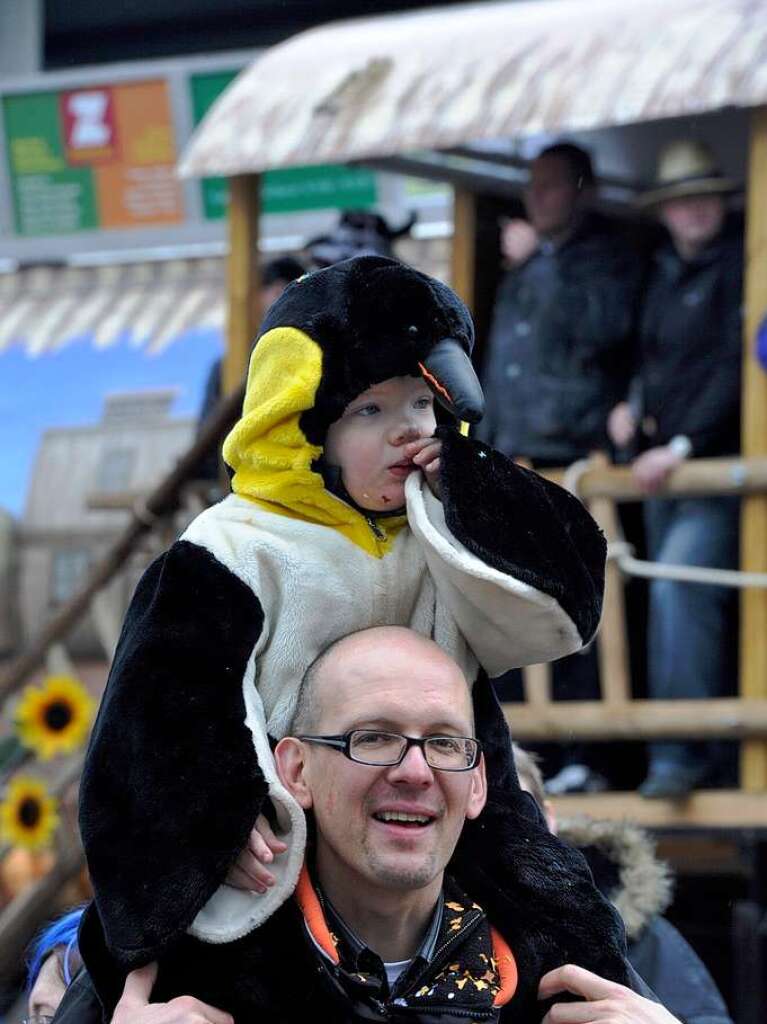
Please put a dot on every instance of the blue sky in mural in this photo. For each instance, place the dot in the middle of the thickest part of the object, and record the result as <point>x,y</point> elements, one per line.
<point>67,388</point>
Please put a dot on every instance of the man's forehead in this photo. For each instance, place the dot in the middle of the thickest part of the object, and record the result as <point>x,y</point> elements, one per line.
<point>356,686</point>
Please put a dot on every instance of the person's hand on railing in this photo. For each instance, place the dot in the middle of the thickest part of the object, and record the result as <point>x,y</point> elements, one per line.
<point>652,468</point>
<point>621,425</point>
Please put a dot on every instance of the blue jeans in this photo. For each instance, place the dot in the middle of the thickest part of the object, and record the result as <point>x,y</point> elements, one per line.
<point>692,629</point>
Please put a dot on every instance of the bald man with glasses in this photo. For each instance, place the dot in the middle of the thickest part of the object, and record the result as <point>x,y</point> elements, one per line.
<point>378,929</point>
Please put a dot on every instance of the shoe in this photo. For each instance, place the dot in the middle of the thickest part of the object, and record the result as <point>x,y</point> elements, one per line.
<point>672,782</point>
<point>576,778</point>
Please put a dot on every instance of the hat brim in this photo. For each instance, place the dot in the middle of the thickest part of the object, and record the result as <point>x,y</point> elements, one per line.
<point>697,187</point>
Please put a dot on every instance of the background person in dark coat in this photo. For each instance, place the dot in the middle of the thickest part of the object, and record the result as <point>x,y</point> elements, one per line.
<point>689,404</point>
<point>560,354</point>
<point>625,868</point>
<point>560,343</point>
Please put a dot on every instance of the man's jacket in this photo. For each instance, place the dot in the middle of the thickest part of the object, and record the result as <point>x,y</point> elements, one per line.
<point>560,347</point>
<point>295,969</point>
<point>691,346</point>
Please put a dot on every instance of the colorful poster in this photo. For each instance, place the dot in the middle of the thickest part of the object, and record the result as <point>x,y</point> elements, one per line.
<point>320,187</point>
<point>94,157</point>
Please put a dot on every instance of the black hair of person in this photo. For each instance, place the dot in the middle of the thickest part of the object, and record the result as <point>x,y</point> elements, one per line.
<point>284,268</point>
<point>578,162</point>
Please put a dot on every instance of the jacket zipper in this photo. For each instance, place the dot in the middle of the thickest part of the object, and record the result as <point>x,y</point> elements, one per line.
<point>433,966</point>
<point>377,531</point>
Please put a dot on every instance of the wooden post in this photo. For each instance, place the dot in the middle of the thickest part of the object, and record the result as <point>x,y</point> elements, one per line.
<point>242,278</point>
<point>753,606</point>
<point>612,643</point>
<point>536,685</point>
<point>463,259</point>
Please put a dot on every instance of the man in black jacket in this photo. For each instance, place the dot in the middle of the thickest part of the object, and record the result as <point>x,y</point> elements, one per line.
<point>560,345</point>
<point>377,930</point>
<point>560,355</point>
<point>688,403</point>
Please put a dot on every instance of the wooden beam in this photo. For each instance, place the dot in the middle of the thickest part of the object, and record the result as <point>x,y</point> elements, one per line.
<point>243,285</point>
<point>753,606</point>
<point>711,808</point>
<point>463,269</point>
<point>567,721</point>
<point>695,477</point>
<point>536,684</point>
<point>612,646</point>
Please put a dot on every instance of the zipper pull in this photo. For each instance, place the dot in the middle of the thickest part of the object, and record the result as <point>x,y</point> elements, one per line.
<point>377,531</point>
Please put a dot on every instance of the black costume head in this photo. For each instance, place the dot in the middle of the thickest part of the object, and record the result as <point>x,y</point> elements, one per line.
<point>376,318</point>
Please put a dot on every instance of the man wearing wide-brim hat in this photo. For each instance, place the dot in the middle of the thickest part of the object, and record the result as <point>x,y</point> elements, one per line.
<point>686,402</point>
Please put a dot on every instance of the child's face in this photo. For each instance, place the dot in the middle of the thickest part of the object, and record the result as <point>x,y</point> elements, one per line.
<point>367,441</point>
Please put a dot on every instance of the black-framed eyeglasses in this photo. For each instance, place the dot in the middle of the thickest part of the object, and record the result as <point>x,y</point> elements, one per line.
<point>385,749</point>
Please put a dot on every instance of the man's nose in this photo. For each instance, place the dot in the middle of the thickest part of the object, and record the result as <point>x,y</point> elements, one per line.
<point>412,769</point>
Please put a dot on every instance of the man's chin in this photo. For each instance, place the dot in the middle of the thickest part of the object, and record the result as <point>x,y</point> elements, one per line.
<point>405,873</point>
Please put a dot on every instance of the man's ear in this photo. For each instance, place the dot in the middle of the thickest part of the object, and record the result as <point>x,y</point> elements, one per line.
<point>478,794</point>
<point>290,758</point>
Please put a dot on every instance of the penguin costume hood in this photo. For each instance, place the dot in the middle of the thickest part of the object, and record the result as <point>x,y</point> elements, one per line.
<point>505,570</point>
<point>331,335</point>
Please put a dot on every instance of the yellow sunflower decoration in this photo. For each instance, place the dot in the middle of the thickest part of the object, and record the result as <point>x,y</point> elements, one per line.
<point>54,718</point>
<point>28,814</point>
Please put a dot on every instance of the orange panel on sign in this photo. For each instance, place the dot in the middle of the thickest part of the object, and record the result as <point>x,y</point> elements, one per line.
<point>133,196</point>
<point>144,125</point>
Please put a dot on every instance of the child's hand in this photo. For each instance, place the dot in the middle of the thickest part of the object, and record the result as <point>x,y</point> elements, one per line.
<point>425,454</point>
<point>248,871</point>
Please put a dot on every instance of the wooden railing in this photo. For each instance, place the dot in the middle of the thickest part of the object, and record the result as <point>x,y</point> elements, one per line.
<point>617,715</point>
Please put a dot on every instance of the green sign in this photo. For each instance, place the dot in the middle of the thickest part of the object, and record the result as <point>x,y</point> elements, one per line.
<point>49,197</point>
<point>321,187</point>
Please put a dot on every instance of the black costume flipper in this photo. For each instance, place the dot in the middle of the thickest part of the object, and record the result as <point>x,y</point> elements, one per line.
<point>171,793</point>
<point>525,526</point>
<point>539,891</point>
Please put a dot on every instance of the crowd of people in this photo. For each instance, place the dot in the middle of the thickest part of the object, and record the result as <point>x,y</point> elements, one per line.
<point>596,345</point>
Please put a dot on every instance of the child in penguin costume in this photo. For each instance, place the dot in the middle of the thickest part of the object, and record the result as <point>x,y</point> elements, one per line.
<point>323,536</point>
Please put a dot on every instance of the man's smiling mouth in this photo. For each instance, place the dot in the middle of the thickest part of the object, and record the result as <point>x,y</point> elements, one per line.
<point>403,818</point>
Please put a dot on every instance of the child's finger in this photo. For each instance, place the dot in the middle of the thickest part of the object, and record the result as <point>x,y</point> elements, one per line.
<point>428,453</point>
<point>254,869</point>
<point>258,846</point>
<point>433,468</point>
<point>412,448</point>
<point>265,829</point>
<point>239,879</point>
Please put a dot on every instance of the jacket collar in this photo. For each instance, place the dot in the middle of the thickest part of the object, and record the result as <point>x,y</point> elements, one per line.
<point>471,967</point>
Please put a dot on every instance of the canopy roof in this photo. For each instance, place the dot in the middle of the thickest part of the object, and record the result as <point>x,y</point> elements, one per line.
<point>441,78</point>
